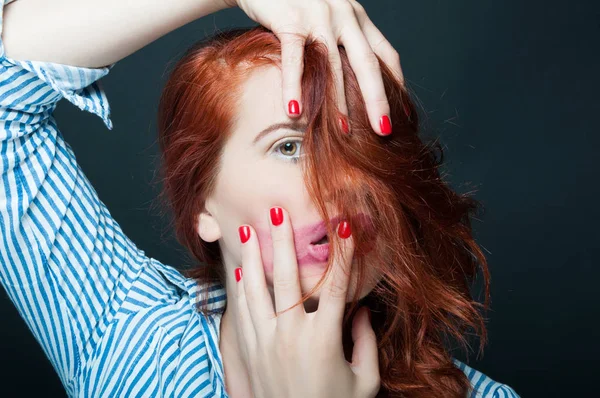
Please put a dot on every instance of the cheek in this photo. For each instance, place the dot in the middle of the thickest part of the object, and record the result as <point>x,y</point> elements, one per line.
<point>248,201</point>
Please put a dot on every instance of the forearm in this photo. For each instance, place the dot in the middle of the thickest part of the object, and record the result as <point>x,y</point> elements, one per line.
<point>93,33</point>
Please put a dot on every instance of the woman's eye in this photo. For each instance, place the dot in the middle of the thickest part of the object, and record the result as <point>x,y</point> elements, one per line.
<point>290,150</point>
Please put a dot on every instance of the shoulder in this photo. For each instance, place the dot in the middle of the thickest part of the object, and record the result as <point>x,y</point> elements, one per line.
<point>483,386</point>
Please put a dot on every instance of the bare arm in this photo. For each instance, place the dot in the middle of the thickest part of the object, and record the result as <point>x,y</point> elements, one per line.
<point>93,33</point>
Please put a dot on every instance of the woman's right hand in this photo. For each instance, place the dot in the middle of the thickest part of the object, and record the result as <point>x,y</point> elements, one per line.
<point>300,354</point>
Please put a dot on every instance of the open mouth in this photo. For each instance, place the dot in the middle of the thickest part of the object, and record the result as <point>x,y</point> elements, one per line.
<point>322,241</point>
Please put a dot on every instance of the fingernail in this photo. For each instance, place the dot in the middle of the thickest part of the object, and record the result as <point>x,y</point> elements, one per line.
<point>244,231</point>
<point>293,107</point>
<point>344,230</point>
<point>276,215</point>
<point>369,314</point>
<point>238,274</point>
<point>386,126</point>
<point>344,124</point>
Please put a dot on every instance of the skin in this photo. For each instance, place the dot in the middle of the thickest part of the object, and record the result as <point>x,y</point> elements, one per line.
<point>254,178</point>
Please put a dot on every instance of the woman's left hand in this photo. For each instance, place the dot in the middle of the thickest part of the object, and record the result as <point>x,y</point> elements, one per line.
<point>334,22</point>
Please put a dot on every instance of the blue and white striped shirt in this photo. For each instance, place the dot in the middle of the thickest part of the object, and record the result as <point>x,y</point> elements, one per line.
<point>113,321</point>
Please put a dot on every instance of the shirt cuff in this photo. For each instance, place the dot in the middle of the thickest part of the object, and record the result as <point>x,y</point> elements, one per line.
<point>79,85</point>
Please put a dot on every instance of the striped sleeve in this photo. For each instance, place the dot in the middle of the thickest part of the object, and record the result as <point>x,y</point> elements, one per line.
<point>64,261</point>
<point>483,386</point>
<point>505,391</point>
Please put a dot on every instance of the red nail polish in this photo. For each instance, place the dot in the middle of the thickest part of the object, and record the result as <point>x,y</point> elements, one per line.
<point>276,215</point>
<point>293,107</point>
<point>244,232</point>
<point>238,274</point>
<point>386,126</point>
<point>344,230</point>
<point>344,124</point>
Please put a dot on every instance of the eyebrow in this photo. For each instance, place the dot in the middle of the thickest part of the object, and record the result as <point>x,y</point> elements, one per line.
<point>300,127</point>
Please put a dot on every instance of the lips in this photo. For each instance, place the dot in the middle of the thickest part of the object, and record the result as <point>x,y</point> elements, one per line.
<point>319,232</point>
<point>319,253</point>
<point>318,248</point>
<point>324,239</point>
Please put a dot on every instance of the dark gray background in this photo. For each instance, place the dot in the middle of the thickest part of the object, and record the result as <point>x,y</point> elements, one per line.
<point>510,86</point>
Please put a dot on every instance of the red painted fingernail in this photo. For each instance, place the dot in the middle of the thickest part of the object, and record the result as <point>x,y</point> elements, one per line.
<point>276,215</point>
<point>344,230</point>
<point>238,274</point>
<point>244,231</point>
<point>293,107</point>
<point>344,124</point>
<point>386,126</point>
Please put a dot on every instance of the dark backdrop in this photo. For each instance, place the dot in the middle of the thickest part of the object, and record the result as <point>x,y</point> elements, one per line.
<point>511,88</point>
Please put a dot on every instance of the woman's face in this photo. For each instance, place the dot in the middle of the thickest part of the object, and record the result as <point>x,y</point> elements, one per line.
<point>260,169</point>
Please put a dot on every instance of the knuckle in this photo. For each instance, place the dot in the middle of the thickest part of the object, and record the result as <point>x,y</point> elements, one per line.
<point>290,25</point>
<point>323,9</point>
<point>344,7</point>
<point>294,53</point>
<point>279,237</point>
<point>294,59</point>
<point>337,291</point>
<point>358,8</point>
<point>379,103</point>
<point>284,283</point>
<point>381,42</point>
<point>371,61</point>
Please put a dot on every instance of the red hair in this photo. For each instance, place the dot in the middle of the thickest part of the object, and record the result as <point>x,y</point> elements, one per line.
<point>424,249</point>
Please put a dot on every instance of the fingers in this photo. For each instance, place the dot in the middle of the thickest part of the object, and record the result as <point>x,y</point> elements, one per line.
<point>379,44</point>
<point>292,62</point>
<point>254,293</point>
<point>368,74</point>
<point>246,328</point>
<point>286,285</point>
<point>362,41</point>
<point>335,62</point>
<point>332,301</point>
<point>365,357</point>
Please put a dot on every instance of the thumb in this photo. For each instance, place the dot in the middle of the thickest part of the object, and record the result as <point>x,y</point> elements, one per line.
<point>364,354</point>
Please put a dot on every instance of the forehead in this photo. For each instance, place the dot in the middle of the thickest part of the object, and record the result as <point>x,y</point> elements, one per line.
<point>261,102</point>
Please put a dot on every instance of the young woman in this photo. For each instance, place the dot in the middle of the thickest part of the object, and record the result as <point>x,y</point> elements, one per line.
<point>254,185</point>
